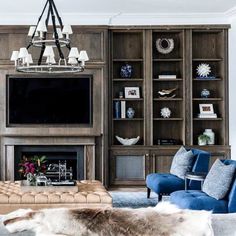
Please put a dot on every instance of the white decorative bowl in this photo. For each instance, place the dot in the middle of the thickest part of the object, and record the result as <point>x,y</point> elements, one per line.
<point>128,141</point>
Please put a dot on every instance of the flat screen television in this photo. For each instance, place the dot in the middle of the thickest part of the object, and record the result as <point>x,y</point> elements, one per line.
<point>49,100</point>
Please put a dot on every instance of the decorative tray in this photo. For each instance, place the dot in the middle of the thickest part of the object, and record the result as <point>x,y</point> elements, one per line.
<point>25,187</point>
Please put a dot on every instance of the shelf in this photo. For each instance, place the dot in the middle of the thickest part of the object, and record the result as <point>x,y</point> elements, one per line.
<point>128,60</point>
<point>127,80</point>
<point>128,119</point>
<point>207,99</point>
<point>169,59</point>
<point>127,99</point>
<point>167,119</point>
<point>166,80</point>
<point>207,59</point>
<point>205,119</point>
<point>216,79</point>
<point>167,99</point>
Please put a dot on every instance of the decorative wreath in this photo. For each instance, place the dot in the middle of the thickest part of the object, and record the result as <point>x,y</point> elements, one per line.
<point>165,45</point>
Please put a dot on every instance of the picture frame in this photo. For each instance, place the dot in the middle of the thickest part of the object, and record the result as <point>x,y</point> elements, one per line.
<point>206,108</point>
<point>132,92</point>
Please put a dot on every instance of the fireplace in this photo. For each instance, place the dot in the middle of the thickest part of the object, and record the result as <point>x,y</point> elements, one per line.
<point>73,156</point>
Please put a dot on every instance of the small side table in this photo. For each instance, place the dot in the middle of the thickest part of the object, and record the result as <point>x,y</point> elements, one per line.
<point>198,176</point>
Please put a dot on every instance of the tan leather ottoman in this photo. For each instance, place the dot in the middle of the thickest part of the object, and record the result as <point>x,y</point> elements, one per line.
<point>90,194</point>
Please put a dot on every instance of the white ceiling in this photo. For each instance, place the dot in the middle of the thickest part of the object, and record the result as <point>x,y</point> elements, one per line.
<point>123,6</point>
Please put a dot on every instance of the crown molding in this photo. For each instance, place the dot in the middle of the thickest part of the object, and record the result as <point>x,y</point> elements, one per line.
<point>119,18</point>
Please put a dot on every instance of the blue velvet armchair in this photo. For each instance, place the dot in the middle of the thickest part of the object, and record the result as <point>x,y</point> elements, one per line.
<point>198,200</point>
<point>166,183</point>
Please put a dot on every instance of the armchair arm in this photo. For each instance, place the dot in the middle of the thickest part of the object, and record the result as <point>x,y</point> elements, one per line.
<point>201,164</point>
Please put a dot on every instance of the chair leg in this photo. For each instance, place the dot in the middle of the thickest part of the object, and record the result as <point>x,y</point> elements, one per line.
<point>148,192</point>
<point>159,197</point>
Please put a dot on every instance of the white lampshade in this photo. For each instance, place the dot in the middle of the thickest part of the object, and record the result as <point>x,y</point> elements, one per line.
<point>48,52</point>
<point>29,59</point>
<point>51,60</point>
<point>74,53</point>
<point>31,31</point>
<point>14,55</point>
<point>42,26</point>
<point>23,53</point>
<point>59,32</point>
<point>83,56</point>
<point>67,29</point>
<point>72,61</point>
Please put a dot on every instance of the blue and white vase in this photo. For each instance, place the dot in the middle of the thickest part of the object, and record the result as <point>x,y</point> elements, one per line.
<point>205,93</point>
<point>126,71</point>
<point>130,112</point>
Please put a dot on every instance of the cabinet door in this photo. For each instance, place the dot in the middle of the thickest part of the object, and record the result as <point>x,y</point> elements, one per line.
<point>161,160</point>
<point>129,167</point>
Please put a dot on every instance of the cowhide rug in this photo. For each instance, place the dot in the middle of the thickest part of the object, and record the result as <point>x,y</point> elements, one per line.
<point>163,220</point>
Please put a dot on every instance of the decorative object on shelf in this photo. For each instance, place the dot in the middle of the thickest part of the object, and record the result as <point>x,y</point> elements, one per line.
<point>203,139</point>
<point>46,43</point>
<point>32,167</point>
<point>167,76</point>
<point>117,109</point>
<point>41,180</point>
<point>206,111</point>
<point>121,94</point>
<point>165,112</point>
<point>165,45</point>
<point>205,93</point>
<point>130,112</point>
<point>126,71</point>
<point>165,93</point>
<point>203,71</point>
<point>132,92</point>
<point>127,141</point>
<point>168,141</point>
<point>211,135</point>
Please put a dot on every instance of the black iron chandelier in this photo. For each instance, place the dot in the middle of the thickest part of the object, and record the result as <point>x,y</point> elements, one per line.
<point>47,42</point>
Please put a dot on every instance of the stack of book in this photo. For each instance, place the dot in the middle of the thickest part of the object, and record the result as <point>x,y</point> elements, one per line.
<point>167,76</point>
<point>211,115</point>
<point>119,109</point>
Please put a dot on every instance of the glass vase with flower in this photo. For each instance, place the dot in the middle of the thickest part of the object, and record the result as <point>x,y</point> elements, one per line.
<point>31,167</point>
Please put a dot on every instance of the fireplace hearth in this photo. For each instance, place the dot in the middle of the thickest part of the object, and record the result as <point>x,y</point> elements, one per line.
<point>73,156</point>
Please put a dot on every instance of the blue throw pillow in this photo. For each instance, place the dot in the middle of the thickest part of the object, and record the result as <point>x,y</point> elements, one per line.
<point>218,180</point>
<point>182,162</point>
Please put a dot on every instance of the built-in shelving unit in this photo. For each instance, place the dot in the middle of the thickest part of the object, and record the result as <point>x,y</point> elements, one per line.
<point>129,165</point>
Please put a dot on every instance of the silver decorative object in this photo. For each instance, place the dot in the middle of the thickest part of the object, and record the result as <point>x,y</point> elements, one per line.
<point>203,70</point>
<point>127,141</point>
<point>165,45</point>
<point>165,112</point>
<point>205,93</point>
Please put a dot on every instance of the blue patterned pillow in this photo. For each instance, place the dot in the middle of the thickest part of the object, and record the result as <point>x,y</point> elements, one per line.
<point>218,180</point>
<point>182,162</point>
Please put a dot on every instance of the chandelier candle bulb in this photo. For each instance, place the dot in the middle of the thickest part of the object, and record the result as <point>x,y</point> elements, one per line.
<point>67,30</point>
<point>29,59</point>
<point>14,56</point>
<point>48,52</point>
<point>72,61</point>
<point>51,60</point>
<point>31,31</point>
<point>42,28</point>
<point>23,54</point>
<point>74,53</point>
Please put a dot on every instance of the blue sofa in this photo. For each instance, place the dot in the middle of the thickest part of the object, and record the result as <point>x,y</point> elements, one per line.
<point>198,200</point>
<point>165,183</point>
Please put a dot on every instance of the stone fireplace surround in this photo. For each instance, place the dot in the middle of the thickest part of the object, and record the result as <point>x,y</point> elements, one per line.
<point>9,145</point>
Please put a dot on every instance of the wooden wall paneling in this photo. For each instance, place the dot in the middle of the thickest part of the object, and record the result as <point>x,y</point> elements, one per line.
<point>89,152</point>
